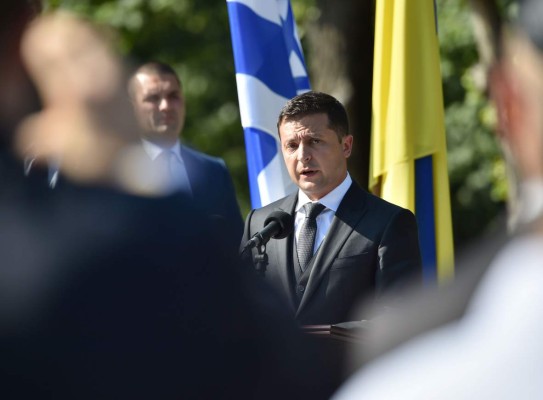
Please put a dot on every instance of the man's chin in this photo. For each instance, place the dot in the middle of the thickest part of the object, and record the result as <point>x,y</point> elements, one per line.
<point>161,135</point>
<point>162,129</point>
<point>308,182</point>
<point>308,188</point>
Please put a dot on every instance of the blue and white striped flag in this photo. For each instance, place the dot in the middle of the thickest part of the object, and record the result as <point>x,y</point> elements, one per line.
<point>270,69</point>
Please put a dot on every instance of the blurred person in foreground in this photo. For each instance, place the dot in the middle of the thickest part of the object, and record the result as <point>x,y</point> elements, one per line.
<point>494,350</point>
<point>159,102</point>
<point>359,246</point>
<point>104,293</point>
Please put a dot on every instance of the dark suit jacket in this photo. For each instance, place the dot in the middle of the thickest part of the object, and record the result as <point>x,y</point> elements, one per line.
<point>419,311</point>
<point>209,179</point>
<point>211,186</point>
<point>371,246</point>
<point>213,189</point>
<point>107,295</point>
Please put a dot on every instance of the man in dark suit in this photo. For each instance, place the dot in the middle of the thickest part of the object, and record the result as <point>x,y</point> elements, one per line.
<point>363,245</point>
<point>159,102</point>
<point>104,294</point>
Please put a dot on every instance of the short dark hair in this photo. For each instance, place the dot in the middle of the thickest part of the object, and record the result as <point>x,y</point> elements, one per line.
<point>310,103</point>
<point>152,68</point>
<point>157,67</point>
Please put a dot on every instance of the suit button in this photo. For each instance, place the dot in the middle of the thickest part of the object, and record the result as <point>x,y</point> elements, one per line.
<point>300,288</point>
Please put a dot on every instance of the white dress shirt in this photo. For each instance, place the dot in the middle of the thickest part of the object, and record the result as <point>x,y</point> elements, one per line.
<point>331,201</point>
<point>176,171</point>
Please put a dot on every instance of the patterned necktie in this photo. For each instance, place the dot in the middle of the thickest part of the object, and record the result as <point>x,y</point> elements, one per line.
<point>306,239</point>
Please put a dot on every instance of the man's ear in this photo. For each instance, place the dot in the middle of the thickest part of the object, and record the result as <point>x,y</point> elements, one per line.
<point>347,145</point>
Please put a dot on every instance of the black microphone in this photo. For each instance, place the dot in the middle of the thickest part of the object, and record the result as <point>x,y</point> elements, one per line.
<point>278,225</point>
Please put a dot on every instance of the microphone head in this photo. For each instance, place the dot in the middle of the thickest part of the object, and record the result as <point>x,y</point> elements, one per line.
<point>284,219</point>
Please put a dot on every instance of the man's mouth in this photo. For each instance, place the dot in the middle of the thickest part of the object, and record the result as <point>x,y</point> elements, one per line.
<point>166,116</point>
<point>308,172</point>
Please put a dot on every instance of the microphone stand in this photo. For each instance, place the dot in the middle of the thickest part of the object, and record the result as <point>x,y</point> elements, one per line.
<point>261,260</point>
<point>278,225</point>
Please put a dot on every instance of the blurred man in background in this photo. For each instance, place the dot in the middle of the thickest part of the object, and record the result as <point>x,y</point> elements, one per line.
<point>159,102</point>
<point>494,351</point>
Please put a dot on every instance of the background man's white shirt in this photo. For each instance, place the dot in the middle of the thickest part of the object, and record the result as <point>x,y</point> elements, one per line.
<point>175,171</point>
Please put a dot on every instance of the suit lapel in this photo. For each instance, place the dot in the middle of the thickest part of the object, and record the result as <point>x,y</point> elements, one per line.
<point>350,210</point>
<point>283,251</point>
<point>193,173</point>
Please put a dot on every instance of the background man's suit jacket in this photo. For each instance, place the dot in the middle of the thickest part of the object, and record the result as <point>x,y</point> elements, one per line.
<point>371,246</point>
<point>213,190</point>
<point>210,182</point>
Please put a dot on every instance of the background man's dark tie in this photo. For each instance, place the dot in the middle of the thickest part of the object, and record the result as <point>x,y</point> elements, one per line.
<point>306,239</point>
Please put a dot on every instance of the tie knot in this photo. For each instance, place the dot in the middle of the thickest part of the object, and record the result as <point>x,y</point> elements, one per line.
<point>164,155</point>
<point>165,160</point>
<point>313,209</point>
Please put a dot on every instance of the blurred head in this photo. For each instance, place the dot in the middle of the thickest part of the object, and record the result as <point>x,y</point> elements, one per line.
<point>61,52</point>
<point>158,101</point>
<point>517,88</point>
<point>315,142</point>
<point>87,120</point>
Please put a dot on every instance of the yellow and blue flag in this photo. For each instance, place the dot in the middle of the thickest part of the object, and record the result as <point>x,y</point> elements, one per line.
<point>408,145</point>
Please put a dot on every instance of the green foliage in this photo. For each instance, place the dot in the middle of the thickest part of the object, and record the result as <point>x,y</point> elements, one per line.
<point>194,36</point>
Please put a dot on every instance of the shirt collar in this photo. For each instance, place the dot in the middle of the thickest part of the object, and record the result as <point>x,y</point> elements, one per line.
<point>331,200</point>
<point>153,150</point>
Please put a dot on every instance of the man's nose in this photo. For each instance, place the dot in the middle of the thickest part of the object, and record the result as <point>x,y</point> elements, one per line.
<point>163,104</point>
<point>304,153</point>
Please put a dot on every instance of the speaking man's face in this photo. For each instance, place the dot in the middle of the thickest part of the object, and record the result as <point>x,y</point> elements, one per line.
<point>159,106</point>
<point>315,157</point>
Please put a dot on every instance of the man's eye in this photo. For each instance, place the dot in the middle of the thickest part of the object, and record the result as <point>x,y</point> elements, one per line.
<point>291,146</point>
<point>315,141</point>
<point>151,99</point>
